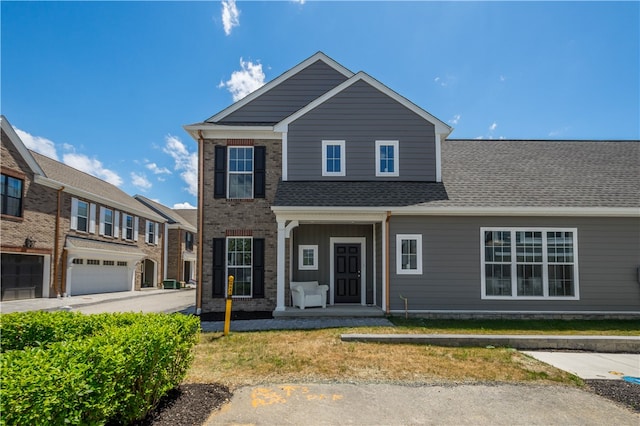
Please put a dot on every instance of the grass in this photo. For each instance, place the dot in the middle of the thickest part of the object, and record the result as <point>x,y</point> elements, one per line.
<point>308,356</point>
<point>503,326</point>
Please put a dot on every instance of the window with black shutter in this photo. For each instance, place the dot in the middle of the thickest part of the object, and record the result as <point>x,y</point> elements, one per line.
<point>239,172</point>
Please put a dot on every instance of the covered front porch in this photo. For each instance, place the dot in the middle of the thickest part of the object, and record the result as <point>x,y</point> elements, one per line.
<point>344,251</point>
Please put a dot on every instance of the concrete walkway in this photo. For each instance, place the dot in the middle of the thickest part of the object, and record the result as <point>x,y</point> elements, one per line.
<point>452,404</point>
<point>592,365</point>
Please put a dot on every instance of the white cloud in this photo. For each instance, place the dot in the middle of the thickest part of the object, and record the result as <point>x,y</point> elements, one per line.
<point>445,81</point>
<point>557,132</point>
<point>503,78</point>
<point>91,166</point>
<point>479,137</point>
<point>140,181</point>
<point>157,170</point>
<point>185,205</point>
<point>249,78</point>
<point>185,162</point>
<point>493,126</point>
<point>38,144</point>
<point>455,119</point>
<point>230,15</point>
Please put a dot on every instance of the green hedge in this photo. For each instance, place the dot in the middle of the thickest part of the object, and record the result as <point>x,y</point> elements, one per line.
<point>69,368</point>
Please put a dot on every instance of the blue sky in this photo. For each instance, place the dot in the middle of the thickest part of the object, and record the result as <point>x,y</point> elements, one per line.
<point>107,86</point>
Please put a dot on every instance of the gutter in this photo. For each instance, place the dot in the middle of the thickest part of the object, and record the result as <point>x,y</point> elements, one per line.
<point>56,245</point>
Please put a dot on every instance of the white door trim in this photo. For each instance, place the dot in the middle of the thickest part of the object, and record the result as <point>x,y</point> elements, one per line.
<point>363,265</point>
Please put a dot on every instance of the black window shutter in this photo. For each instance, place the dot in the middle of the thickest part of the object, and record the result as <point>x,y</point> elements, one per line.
<point>220,173</point>
<point>218,267</point>
<point>258,267</point>
<point>259,172</point>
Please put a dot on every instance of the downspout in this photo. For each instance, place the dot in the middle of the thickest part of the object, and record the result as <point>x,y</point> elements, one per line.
<point>57,289</point>
<point>200,221</point>
<point>386,261</point>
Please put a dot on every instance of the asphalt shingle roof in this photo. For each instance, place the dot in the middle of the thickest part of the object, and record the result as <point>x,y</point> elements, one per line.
<point>500,173</point>
<point>69,176</point>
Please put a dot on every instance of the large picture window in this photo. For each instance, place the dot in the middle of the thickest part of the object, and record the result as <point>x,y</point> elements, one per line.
<point>11,196</point>
<point>529,263</point>
<point>239,264</point>
<point>240,172</point>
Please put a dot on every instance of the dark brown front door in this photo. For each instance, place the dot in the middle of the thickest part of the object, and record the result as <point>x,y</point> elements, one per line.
<point>347,273</point>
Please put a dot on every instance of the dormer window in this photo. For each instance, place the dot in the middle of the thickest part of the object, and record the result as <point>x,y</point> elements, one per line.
<point>333,158</point>
<point>387,153</point>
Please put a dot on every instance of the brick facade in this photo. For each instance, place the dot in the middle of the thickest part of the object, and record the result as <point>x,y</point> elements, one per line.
<point>38,223</point>
<point>254,216</point>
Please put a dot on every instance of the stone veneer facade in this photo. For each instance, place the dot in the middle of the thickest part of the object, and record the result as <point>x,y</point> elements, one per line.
<point>221,215</point>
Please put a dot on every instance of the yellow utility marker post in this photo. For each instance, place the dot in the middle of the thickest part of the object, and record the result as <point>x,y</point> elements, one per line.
<point>227,314</point>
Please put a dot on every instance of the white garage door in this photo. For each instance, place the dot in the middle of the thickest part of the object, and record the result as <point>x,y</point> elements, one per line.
<point>93,278</point>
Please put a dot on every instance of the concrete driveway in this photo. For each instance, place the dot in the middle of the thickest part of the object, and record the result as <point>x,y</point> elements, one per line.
<point>151,300</point>
<point>590,365</point>
<point>378,404</point>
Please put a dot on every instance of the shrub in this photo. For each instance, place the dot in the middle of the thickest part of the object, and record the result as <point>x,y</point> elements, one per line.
<point>116,372</point>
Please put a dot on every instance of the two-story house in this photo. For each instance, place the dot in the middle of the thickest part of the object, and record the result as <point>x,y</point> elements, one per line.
<point>328,175</point>
<point>65,232</point>
<point>181,246</point>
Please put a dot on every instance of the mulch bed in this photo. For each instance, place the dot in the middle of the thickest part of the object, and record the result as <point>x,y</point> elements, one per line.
<point>620,391</point>
<point>187,405</point>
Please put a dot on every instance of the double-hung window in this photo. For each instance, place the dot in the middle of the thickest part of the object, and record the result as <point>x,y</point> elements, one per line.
<point>240,172</point>
<point>529,263</point>
<point>82,215</point>
<point>387,154</point>
<point>239,264</point>
<point>128,227</point>
<point>106,222</point>
<point>188,241</point>
<point>409,254</point>
<point>151,232</point>
<point>11,196</point>
<point>333,158</point>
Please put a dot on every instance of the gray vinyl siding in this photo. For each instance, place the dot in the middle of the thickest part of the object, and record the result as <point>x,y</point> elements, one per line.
<point>320,235</point>
<point>289,96</point>
<point>608,258</point>
<point>360,115</point>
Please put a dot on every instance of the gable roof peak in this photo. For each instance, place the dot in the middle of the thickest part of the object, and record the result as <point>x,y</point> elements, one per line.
<point>441,127</point>
<point>20,146</point>
<point>318,56</point>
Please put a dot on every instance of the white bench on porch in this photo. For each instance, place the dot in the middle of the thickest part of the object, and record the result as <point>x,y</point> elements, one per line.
<point>305,294</point>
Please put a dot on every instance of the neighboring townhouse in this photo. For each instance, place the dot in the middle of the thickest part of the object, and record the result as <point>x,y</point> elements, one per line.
<point>181,247</point>
<point>328,175</point>
<point>65,232</point>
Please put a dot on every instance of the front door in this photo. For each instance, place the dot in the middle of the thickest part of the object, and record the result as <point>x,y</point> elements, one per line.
<point>347,273</point>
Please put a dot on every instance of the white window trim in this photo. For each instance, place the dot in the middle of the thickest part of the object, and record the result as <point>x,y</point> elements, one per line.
<point>399,269</point>
<point>545,264</point>
<point>226,261</point>
<point>252,173</point>
<point>134,224</point>
<point>301,266</point>
<point>343,158</point>
<point>396,158</point>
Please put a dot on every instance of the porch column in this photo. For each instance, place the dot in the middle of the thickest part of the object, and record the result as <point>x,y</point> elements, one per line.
<point>280,266</point>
